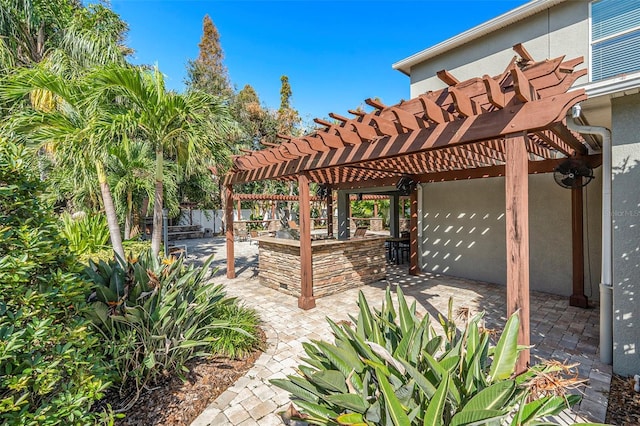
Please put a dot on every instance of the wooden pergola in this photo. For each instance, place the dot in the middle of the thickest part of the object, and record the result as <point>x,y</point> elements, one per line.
<point>510,125</point>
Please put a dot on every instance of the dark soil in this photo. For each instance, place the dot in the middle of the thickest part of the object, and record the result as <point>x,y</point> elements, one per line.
<point>178,403</point>
<point>624,403</point>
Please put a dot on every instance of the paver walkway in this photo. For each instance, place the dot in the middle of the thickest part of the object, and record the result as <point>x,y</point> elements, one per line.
<point>558,332</point>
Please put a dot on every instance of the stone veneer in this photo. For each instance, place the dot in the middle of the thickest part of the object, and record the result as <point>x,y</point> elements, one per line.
<point>337,265</point>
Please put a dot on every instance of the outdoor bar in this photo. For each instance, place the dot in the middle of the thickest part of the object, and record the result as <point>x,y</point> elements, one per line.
<point>337,265</point>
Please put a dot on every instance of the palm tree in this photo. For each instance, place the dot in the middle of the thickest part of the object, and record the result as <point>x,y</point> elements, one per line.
<point>75,125</point>
<point>131,177</point>
<point>189,128</point>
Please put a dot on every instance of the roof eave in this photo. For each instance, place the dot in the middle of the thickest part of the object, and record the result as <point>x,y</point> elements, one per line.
<point>508,18</point>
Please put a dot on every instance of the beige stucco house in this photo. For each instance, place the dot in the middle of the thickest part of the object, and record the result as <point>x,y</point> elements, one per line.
<point>462,229</point>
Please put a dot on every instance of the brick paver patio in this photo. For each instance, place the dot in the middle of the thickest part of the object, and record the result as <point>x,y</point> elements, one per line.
<point>558,331</point>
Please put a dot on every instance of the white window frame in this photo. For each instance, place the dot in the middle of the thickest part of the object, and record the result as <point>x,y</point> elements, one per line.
<point>592,42</point>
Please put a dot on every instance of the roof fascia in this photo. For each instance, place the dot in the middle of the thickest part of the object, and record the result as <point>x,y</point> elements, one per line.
<point>528,9</point>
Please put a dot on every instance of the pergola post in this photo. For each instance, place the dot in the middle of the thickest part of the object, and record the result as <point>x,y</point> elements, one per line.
<point>517,232</point>
<point>414,268</point>
<point>239,210</point>
<point>578,297</point>
<point>228,212</point>
<point>329,212</point>
<point>394,215</point>
<point>343,215</point>
<point>306,299</point>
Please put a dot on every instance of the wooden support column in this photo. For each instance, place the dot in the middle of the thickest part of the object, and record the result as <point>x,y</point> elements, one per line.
<point>517,232</point>
<point>228,213</point>
<point>414,268</point>
<point>578,297</point>
<point>306,299</point>
<point>239,210</point>
<point>343,215</point>
<point>394,213</point>
<point>329,212</point>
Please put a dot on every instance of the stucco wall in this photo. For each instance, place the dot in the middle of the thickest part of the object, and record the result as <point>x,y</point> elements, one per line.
<point>626,233</point>
<point>563,30</point>
<point>463,232</point>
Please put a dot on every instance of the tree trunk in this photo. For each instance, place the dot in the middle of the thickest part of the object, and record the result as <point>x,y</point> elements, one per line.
<point>127,217</point>
<point>110,212</point>
<point>156,235</point>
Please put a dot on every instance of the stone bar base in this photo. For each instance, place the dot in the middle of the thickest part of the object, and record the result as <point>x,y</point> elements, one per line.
<point>337,265</point>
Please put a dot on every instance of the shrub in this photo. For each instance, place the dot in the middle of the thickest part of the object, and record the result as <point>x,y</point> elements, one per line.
<point>229,341</point>
<point>133,248</point>
<point>50,369</point>
<point>391,368</point>
<point>155,314</point>
<point>86,233</point>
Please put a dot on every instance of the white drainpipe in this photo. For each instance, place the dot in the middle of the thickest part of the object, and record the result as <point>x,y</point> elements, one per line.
<point>606,278</point>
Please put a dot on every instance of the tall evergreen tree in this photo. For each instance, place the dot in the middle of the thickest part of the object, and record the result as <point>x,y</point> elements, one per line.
<point>208,72</point>
<point>288,117</point>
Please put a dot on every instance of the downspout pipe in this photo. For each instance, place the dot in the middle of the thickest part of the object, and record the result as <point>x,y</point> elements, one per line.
<point>606,277</point>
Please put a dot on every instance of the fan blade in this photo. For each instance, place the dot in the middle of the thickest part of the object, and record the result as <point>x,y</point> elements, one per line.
<point>568,182</point>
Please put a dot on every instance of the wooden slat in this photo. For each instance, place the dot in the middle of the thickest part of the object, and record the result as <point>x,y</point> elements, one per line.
<point>517,223</point>
<point>462,103</point>
<point>494,92</point>
<point>375,103</point>
<point>520,50</point>
<point>447,78</point>
<point>554,141</point>
<point>433,111</point>
<point>568,137</point>
<point>525,92</point>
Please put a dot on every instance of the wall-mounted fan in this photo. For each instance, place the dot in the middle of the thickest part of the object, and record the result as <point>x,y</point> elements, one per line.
<point>405,185</point>
<point>322,192</point>
<point>573,173</point>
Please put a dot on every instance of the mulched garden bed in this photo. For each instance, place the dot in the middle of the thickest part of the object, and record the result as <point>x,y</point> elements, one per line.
<point>178,403</point>
<point>624,403</point>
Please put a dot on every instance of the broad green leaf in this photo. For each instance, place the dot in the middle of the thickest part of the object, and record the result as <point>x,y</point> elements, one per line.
<point>435,409</point>
<point>492,398</point>
<point>423,383</point>
<point>349,401</point>
<point>295,390</point>
<point>317,410</point>
<point>476,417</point>
<point>331,380</point>
<point>351,419</point>
<point>506,353</point>
<point>406,316</point>
<point>365,320</point>
<point>393,405</point>
<point>343,359</point>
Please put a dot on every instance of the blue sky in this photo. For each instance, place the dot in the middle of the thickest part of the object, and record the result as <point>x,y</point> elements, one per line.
<point>336,54</point>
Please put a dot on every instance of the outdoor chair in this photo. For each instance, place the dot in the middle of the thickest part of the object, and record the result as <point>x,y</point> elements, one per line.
<point>293,224</point>
<point>242,235</point>
<point>360,232</point>
<point>253,234</point>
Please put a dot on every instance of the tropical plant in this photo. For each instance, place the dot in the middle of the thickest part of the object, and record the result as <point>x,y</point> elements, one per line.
<point>155,315</point>
<point>391,368</point>
<point>131,176</point>
<point>76,126</point>
<point>86,233</point>
<point>190,128</point>
<point>51,369</point>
